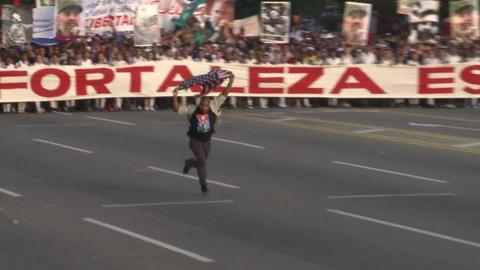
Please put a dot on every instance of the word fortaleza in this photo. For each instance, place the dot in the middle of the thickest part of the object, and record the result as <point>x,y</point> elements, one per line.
<point>50,83</point>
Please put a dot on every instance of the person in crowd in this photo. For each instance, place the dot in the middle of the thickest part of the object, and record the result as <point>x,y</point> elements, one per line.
<point>118,62</point>
<point>55,61</point>
<point>149,102</point>
<point>39,63</point>
<point>7,107</point>
<point>100,103</point>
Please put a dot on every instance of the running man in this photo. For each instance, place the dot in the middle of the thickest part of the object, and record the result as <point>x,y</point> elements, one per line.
<point>202,119</point>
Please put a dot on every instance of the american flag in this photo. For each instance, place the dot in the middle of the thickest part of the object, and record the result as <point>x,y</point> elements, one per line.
<point>208,81</point>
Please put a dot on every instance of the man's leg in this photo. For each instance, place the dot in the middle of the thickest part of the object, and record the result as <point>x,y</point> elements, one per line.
<point>198,148</point>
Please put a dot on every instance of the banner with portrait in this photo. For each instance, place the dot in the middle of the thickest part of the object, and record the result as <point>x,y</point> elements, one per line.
<point>100,16</point>
<point>356,22</point>
<point>70,19</point>
<point>220,12</point>
<point>17,23</point>
<point>424,22</point>
<point>44,3</point>
<point>405,6</point>
<point>170,10</point>
<point>275,22</point>
<point>44,22</point>
<point>146,31</point>
<point>250,27</point>
<point>187,12</point>
<point>464,20</point>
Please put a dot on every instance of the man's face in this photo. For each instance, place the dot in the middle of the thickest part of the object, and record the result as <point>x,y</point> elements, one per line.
<point>205,105</point>
<point>463,19</point>
<point>428,27</point>
<point>67,20</point>
<point>354,21</point>
<point>221,11</point>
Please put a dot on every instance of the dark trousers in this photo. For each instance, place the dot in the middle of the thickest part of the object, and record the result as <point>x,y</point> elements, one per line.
<point>201,150</point>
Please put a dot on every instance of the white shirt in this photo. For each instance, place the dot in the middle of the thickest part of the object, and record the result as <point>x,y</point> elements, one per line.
<point>431,61</point>
<point>220,61</point>
<point>120,63</point>
<point>22,64</point>
<point>371,58</point>
<point>454,58</point>
<point>11,66</point>
<point>333,61</point>
<point>140,59</point>
<point>87,62</point>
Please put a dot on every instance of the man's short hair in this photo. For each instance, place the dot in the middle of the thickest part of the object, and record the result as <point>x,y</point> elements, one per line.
<point>65,5</point>
<point>461,6</point>
<point>205,99</point>
<point>355,9</point>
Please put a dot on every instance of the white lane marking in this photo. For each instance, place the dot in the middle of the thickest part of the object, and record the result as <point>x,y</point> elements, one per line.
<point>284,119</point>
<point>192,177</point>
<point>110,120</point>
<point>64,146</point>
<point>64,113</point>
<point>368,111</point>
<point>150,240</point>
<point>467,145</point>
<point>276,113</point>
<point>391,172</point>
<point>334,111</point>
<point>10,193</point>
<point>53,125</point>
<point>370,130</point>
<point>407,228</point>
<point>391,195</point>
<point>422,125</point>
<point>439,125</point>
<point>239,143</point>
<point>304,112</point>
<point>165,203</point>
<point>349,110</point>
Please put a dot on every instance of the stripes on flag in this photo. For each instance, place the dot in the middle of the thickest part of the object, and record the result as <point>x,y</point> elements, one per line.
<point>208,81</point>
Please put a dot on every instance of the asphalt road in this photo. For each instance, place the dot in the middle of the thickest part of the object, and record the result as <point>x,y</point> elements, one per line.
<point>290,189</point>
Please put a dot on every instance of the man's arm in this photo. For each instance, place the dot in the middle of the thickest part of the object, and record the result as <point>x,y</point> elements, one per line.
<point>175,104</point>
<point>227,88</point>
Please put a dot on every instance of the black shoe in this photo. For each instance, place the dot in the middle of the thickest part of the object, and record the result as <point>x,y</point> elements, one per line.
<point>205,189</point>
<point>187,166</point>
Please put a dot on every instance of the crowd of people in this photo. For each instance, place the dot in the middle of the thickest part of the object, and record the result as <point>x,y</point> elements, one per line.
<point>192,43</point>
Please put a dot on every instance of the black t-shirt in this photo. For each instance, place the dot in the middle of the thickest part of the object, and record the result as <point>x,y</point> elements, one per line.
<point>202,125</point>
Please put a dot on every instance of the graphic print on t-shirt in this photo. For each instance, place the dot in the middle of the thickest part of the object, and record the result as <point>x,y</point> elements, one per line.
<point>203,123</point>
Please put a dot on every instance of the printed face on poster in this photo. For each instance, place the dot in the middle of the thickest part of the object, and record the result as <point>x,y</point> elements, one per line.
<point>220,12</point>
<point>70,18</point>
<point>17,24</point>
<point>275,22</point>
<point>356,22</point>
<point>464,20</point>
<point>424,22</point>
